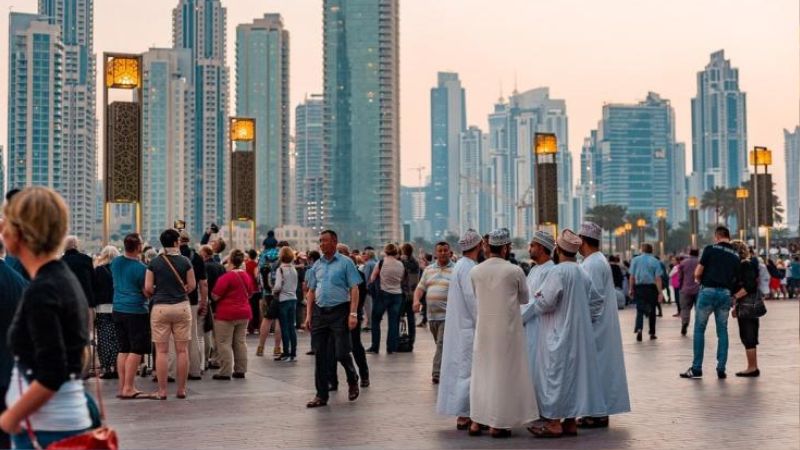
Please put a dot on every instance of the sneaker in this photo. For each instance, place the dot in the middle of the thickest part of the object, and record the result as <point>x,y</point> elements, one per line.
<point>684,327</point>
<point>639,336</point>
<point>691,373</point>
<point>292,359</point>
<point>653,337</point>
<point>721,374</point>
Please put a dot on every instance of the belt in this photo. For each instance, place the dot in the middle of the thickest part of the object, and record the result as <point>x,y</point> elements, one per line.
<point>645,285</point>
<point>331,308</point>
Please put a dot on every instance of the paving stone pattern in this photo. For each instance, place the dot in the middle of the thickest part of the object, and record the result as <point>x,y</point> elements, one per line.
<point>267,410</point>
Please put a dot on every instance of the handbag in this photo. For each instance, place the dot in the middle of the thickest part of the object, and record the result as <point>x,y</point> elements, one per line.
<point>374,288</point>
<point>404,343</point>
<point>751,307</point>
<point>101,437</point>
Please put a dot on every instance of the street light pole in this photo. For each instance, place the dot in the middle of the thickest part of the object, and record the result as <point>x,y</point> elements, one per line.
<point>693,219</point>
<point>661,213</point>
<point>743,194</point>
<point>641,223</point>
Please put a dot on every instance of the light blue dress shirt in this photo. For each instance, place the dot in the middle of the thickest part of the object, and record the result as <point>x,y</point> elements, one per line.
<point>332,280</point>
<point>646,268</point>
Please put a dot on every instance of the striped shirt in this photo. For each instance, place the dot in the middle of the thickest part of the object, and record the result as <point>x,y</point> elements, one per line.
<point>435,282</point>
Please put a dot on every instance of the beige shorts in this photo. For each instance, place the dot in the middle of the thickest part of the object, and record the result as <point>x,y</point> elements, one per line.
<point>166,320</point>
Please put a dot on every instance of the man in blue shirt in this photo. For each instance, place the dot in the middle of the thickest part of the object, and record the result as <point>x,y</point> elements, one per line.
<point>645,287</point>
<point>794,277</point>
<point>130,315</point>
<point>331,313</point>
<point>13,284</point>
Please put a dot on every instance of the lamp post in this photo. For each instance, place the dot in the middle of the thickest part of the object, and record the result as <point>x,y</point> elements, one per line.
<point>122,143</point>
<point>545,147</point>
<point>762,189</point>
<point>641,224</point>
<point>661,214</point>
<point>628,231</point>
<point>243,173</point>
<point>742,194</point>
<point>694,217</point>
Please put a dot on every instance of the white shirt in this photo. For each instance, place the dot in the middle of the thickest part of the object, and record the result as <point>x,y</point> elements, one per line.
<point>286,283</point>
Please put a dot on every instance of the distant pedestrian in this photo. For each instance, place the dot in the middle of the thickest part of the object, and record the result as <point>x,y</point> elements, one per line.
<point>646,287</point>
<point>718,272</point>
<point>689,287</point>
<point>106,335</point>
<point>389,292</point>
<point>434,285</point>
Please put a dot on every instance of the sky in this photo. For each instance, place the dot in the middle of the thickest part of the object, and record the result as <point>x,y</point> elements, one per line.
<point>588,52</point>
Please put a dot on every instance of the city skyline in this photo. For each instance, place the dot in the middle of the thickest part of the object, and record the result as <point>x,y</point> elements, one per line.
<point>586,75</point>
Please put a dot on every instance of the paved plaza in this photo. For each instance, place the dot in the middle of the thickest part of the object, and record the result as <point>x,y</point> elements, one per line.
<point>267,410</point>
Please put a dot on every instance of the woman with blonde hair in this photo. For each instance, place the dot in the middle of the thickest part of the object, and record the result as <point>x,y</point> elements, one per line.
<point>285,292</point>
<point>388,275</point>
<point>106,335</point>
<point>747,292</point>
<point>49,331</point>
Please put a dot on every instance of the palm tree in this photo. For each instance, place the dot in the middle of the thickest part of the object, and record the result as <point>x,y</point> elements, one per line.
<point>721,200</point>
<point>609,217</point>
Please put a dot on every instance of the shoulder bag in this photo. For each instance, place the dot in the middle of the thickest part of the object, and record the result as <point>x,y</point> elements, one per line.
<point>752,306</point>
<point>175,272</point>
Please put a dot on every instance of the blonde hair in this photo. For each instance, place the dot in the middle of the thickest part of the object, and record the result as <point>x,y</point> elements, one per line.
<point>741,248</point>
<point>286,255</point>
<point>108,253</point>
<point>39,217</point>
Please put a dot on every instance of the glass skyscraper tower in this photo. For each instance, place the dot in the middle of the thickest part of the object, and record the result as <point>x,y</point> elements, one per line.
<point>308,165</point>
<point>792,157</point>
<point>199,26</point>
<point>262,92</point>
<point>361,120</point>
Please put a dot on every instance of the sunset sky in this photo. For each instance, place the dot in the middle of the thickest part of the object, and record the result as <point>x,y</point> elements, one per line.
<point>588,52</point>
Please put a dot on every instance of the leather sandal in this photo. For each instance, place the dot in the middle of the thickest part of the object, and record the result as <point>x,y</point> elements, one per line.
<point>543,430</point>
<point>475,429</point>
<point>463,423</point>
<point>353,392</point>
<point>500,433</point>
<point>316,403</point>
<point>593,422</point>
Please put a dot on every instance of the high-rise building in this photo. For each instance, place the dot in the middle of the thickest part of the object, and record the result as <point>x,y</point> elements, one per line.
<point>633,160</point>
<point>199,26</point>
<point>448,121</point>
<point>167,138</point>
<point>308,165</point>
<point>35,82</point>
<point>362,128</point>
<point>792,157</point>
<point>75,19</point>
<point>470,180</point>
<point>512,128</point>
<point>719,127</point>
<point>262,92</point>
<point>413,211</point>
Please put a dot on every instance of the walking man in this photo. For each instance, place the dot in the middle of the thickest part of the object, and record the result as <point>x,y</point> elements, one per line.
<point>607,336</point>
<point>453,399</point>
<point>646,286</point>
<point>434,284</point>
<point>718,274</point>
<point>689,288</point>
<point>331,314</point>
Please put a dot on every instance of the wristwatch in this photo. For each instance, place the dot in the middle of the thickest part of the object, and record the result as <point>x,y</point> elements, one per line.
<point>353,315</point>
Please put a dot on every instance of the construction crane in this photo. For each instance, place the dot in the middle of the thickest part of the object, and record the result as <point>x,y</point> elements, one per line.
<point>525,201</point>
<point>419,171</point>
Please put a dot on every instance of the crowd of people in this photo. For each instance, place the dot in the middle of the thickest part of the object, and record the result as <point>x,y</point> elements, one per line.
<point>535,344</point>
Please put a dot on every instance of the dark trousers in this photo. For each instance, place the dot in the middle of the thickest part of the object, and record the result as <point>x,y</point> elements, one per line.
<point>5,440</point>
<point>389,303</point>
<point>407,310</point>
<point>646,296</point>
<point>677,299</point>
<point>255,308</point>
<point>287,311</point>
<point>359,355</point>
<point>330,339</point>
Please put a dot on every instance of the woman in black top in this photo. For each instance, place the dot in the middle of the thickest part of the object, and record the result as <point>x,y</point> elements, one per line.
<point>747,289</point>
<point>105,332</point>
<point>49,332</point>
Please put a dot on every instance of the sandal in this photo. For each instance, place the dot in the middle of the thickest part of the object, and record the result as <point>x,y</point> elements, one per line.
<point>475,429</point>
<point>463,423</point>
<point>500,433</point>
<point>316,403</point>
<point>593,422</point>
<point>543,431</point>
<point>138,396</point>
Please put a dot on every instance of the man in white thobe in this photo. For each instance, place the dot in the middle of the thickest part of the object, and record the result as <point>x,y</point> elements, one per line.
<point>540,250</point>
<point>567,381</point>
<point>459,334</point>
<point>500,394</point>
<point>607,336</point>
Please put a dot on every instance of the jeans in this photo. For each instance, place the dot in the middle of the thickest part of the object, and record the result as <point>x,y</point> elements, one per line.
<point>330,338</point>
<point>646,296</point>
<point>717,301</point>
<point>45,438</point>
<point>287,310</point>
<point>389,303</point>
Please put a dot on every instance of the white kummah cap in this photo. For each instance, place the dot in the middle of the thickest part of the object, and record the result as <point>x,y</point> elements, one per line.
<point>545,239</point>
<point>469,240</point>
<point>591,230</point>
<point>499,237</point>
<point>569,241</point>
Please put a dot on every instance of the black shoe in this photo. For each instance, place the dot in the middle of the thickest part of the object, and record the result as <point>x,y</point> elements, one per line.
<point>371,350</point>
<point>221,377</point>
<point>213,366</point>
<point>366,329</point>
<point>691,373</point>
<point>109,376</point>
<point>653,337</point>
<point>721,374</point>
<point>311,352</point>
<point>639,336</point>
<point>753,374</point>
<point>365,382</point>
<point>333,388</point>
<point>194,378</point>
<point>238,375</point>
<point>684,327</point>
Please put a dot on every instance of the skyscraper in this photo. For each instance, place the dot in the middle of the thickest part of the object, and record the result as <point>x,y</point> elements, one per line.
<point>35,81</point>
<point>361,121</point>
<point>75,19</point>
<point>262,92</point>
<point>792,157</point>
<point>512,127</point>
<point>308,165</point>
<point>167,138</point>
<point>199,26</point>
<point>719,127</point>
<point>469,188</point>
<point>448,121</point>
<point>633,160</point>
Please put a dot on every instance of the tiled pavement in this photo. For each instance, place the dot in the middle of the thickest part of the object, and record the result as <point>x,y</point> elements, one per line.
<point>267,410</point>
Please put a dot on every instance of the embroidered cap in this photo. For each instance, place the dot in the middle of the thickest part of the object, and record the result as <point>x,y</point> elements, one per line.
<point>499,237</point>
<point>591,230</point>
<point>569,241</point>
<point>469,240</point>
<point>545,239</point>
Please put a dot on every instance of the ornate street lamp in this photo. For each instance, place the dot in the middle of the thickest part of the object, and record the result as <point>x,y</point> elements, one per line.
<point>628,237</point>
<point>243,173</point>
<point>694,219</point>
<point>641,224</point>
<point>742,194</point>
<point>762,188</point>
<point>661,214</point>
<point>545,148</point>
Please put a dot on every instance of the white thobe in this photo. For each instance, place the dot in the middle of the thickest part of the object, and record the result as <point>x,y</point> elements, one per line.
<point>536,278</point>
<point>607,336</point>
<point>566,374</point>
<point>501,394</point>
<point>459,334</point>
